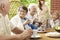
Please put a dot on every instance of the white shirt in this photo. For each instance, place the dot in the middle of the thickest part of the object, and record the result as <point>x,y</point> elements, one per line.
<point>16,21</point>
<point>5,25</point>
<point>54,23</point>
<point>42,13</point>
<point>30,17</point>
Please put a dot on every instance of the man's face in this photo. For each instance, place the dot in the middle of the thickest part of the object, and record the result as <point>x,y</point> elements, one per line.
<point>33,10</point>
<point>22,13</point>
<point>7,7</point>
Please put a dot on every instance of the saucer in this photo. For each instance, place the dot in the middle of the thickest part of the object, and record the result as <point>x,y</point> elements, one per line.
<point>53,34</point>
<point>35,37</point>
<point>41,31</point>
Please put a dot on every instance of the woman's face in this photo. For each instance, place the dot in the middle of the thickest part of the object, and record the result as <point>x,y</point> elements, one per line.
<point>54,17</point>
<point>42,2</point>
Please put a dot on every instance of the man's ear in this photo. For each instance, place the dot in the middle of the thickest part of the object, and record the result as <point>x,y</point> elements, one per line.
<point>2,7</point>
<point>29,9</point>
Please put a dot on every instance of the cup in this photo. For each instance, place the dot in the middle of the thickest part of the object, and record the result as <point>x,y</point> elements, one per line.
<point>34,32</point>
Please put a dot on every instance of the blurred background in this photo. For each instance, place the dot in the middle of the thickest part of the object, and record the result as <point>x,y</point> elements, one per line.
<point>14,4</point>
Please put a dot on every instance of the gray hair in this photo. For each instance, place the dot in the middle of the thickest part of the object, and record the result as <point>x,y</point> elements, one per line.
<point>3,2</point>
<point>31,5</point>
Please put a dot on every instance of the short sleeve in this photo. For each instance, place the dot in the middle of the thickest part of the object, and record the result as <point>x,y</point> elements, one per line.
<point>16,22</point>
<point>19,26</point>
<point>12,26</point>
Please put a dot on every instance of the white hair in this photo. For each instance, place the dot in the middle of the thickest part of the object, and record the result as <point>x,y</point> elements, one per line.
<point>31,5</point>
<point>3,2</point>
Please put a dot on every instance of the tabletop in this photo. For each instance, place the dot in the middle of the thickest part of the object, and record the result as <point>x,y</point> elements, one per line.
<point>44,37</point>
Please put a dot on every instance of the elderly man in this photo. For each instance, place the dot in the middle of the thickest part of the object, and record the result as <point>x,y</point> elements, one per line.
<point>32,10</point>
<point>6,27</point>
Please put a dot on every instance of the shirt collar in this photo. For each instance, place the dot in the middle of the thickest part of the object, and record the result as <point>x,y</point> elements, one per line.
<point>30,15</point>
<point>2,15</point>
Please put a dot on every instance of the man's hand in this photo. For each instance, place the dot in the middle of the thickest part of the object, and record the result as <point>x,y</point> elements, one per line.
<point>35,19</point>
<point>26,34</point>
<point>26,22</point>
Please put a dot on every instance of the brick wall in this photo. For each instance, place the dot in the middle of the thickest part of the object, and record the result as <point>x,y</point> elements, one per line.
<point>55,5</point>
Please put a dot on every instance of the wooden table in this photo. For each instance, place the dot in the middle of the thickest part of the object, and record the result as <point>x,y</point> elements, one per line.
<point>44,37</point>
